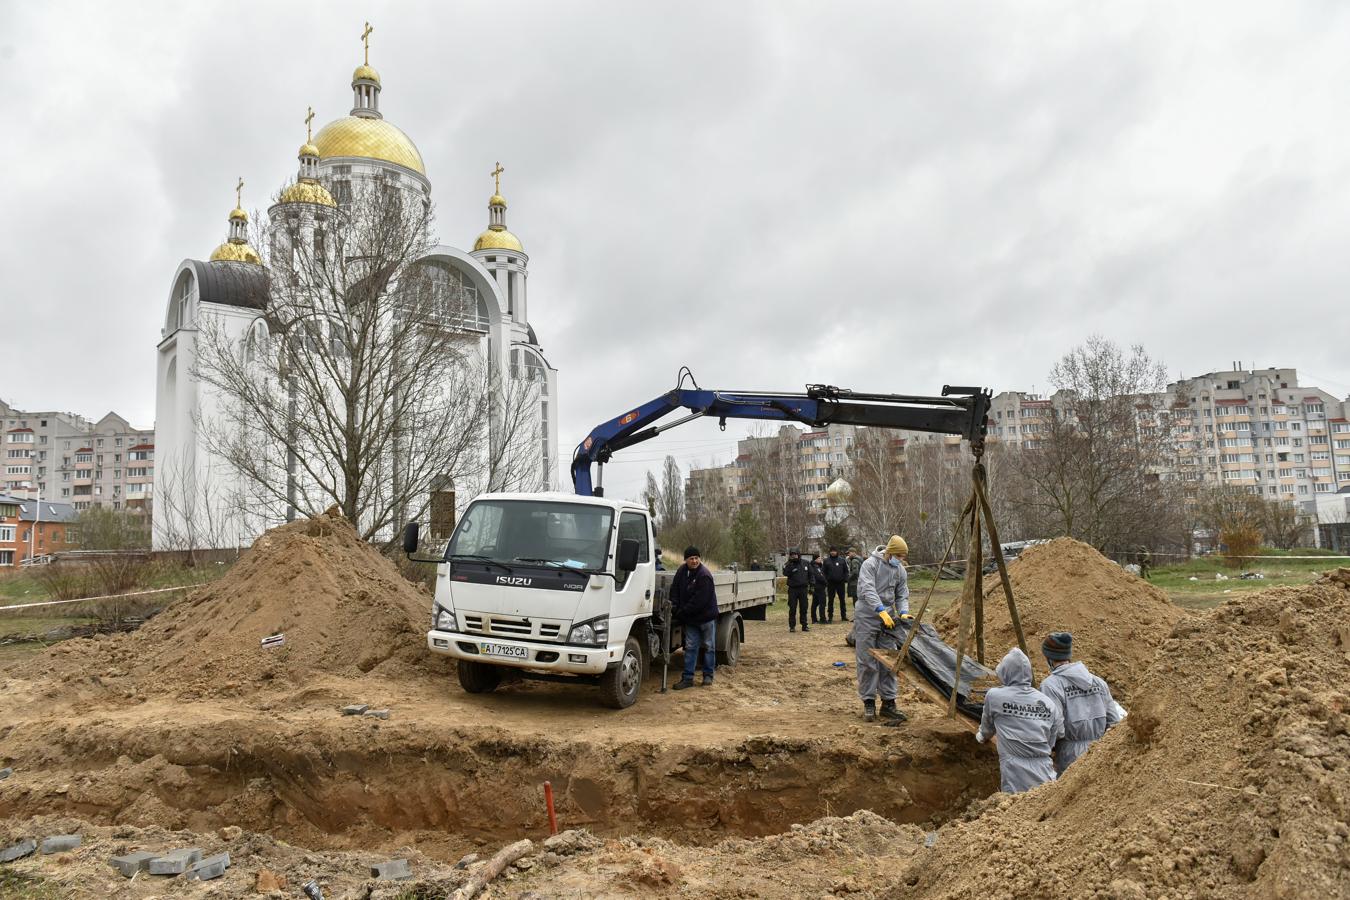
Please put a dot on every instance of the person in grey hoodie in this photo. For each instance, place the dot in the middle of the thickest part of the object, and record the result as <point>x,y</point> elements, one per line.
<point>1084,700</point>
<point>883,597</point>
<point>1027,724</point>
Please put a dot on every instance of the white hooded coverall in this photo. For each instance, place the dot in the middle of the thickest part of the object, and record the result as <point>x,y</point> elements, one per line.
<point>1027,723</point>
<point>881,585</point>
<point>1085,702</point>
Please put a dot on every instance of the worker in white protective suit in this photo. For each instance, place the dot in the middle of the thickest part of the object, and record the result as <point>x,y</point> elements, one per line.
<point>1027,724</point>
<point>883,598</point>
<point>1084,700</point>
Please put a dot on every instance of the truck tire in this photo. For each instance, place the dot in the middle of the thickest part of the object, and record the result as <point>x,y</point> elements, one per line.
<point>728,640</point>
<point>619,686</point>
<point>478,678</point>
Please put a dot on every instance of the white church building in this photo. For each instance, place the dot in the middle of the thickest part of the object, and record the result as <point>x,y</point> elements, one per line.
<point>230,289</point>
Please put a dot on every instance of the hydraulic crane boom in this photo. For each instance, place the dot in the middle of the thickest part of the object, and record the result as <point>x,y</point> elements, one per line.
<point>959,411</point>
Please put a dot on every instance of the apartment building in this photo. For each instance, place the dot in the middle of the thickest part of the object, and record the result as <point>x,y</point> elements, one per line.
<point>815,459</point>
<point>1262,430</point>
<point>66,458</point>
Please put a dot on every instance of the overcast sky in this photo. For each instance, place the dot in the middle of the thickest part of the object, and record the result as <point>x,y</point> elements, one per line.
<point>884,196</point>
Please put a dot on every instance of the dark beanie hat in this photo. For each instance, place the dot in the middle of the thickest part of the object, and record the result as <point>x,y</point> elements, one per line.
<point>1057,645</point>
<point>691,551</point>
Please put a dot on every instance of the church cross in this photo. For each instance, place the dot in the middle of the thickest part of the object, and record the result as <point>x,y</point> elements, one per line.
<point>309,132</point>
<point>365,39</point>
<point>497,178</point>
<point>239,193</point>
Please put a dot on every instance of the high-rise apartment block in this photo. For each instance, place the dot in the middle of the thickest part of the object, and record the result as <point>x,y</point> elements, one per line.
<point>66,458</point>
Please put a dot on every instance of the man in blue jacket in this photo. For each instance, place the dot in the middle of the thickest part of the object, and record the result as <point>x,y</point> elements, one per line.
<point>693,599</point>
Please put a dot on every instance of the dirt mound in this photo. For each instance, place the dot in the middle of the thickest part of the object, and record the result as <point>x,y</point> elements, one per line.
<point>1117,619</point>
<point>1230,778</point>
<point>340,605</point>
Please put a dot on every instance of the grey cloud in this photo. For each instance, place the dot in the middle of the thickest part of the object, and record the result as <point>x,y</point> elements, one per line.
<point>885,196</point>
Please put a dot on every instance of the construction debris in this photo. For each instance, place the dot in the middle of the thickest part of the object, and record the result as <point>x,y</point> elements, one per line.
<point>23,848</point>
<point>60,843</point>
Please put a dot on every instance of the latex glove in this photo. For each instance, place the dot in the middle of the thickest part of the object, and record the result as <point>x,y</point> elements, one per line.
<point>886,618</point>
<point>979,736</point>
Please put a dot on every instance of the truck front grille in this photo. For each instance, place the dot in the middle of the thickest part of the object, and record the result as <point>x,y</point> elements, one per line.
<point>512,626</point>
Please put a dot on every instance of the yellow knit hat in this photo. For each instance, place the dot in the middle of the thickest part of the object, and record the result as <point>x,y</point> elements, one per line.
<point>896,546</point>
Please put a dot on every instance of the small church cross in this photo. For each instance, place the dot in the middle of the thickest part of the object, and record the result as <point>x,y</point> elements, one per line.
<point>365,39</point>
<point>239,193</point>
<point>309,132</point>
<point>497,178</point>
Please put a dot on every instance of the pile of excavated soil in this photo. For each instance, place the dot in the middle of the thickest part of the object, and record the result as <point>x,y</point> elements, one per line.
<point>341,607</point>
<point>1230,778</point>
<point>1118,620</point>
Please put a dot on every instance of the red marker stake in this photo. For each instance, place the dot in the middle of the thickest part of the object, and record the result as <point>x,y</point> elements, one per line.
<point>548,801</point>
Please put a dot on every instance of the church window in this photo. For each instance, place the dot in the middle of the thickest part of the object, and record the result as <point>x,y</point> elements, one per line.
<point>455,298</point>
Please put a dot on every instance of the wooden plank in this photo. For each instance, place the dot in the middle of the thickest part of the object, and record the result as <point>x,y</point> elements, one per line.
<point>892,659</point>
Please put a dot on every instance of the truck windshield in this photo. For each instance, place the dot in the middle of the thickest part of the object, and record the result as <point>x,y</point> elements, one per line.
<point>570,535</point>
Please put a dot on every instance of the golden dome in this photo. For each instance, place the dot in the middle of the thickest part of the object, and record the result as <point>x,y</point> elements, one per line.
<point>839,492</point>
<point>308,149</point>
<point>307,192</point>
<point>369,138</point>
<point>494,239</point>
<point>238,213</point>
<point>365,73</point>
<point>497,200</point>
<point>235,252</point>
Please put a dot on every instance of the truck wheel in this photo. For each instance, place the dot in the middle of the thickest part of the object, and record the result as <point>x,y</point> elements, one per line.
<point>478,678</point>
<point>619,685</point>
<point>729,641</point>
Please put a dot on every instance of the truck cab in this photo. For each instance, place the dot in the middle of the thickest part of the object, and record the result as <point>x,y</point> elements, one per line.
<point>556,585</point>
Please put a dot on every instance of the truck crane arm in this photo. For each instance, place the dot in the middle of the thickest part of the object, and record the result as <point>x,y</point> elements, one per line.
<point>959,411</point>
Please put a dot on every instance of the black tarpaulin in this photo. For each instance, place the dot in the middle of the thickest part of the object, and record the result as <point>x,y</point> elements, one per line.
<point>936,662</point>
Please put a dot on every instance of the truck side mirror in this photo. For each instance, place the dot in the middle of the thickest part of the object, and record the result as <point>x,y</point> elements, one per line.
<point>410,536</point>
<point>628,555</point>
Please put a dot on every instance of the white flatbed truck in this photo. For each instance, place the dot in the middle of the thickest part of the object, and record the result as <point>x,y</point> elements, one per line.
<point>565,588</point>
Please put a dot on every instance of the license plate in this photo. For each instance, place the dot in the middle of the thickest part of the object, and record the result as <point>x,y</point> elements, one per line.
<point>503,650</point>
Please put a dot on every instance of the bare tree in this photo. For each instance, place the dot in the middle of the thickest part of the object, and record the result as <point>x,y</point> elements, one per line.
<point>1095,474</point>
<point>1283,525</point>
<point>777,497</point>
<point>670,510</point>
<point>194,509</point>
<point>880,498</point>
<point>361,384</point>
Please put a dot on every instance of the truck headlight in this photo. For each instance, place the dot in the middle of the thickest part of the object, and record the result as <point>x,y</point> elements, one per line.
<point>445,620</point>
<point>594,632</point>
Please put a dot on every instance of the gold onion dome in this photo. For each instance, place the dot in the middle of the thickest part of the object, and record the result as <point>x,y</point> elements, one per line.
<point>498,239</point>
<point>305,191</point>
<point>497,200</point>
<point>230,251</point>
<point>308,149</point>
<point>365,72</point>
<point>239,214</point>
<point>369,139</point>
<point>839,492</point>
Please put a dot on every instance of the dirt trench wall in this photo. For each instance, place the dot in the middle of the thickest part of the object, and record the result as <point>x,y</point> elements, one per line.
<point>326,787</point>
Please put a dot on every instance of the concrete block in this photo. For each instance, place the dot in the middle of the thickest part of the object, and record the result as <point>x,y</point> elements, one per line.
<point>394,870</point>
<point>131,863</point>
<point>60,843</point>
<point>211,867</point>
<point>356,709</point>
<point>23,848</point>
<point>5,773</point>
<point>175,863</point>
<point>384,713</point>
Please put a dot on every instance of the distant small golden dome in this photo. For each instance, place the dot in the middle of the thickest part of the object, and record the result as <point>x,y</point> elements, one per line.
<point>232,251</point>
<point>239,214</point>
<point>365,73</point>
<point>305,191</point>
<point>497,200</point>
<point>308,149</point>
<point>498,239</point>
<point>839,492</point>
